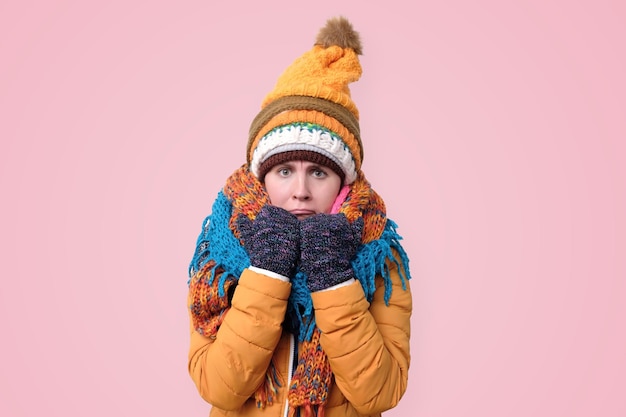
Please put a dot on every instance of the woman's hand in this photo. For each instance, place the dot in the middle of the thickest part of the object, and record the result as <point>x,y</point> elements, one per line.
<point>272,240</point>
<point>328,242</point>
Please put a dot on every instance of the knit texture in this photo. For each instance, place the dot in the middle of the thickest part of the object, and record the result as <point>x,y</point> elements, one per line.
<point>328,244</point>
<point>220,258</point>
<point>314,91</point>
<point>297,138</point>
<point>272,240</point>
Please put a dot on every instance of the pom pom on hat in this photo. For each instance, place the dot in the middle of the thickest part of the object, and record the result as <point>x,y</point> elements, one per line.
<point>310,108</point>
<point>338,31</point>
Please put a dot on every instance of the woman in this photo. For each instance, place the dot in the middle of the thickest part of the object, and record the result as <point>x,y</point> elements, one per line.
<point>299,288</point>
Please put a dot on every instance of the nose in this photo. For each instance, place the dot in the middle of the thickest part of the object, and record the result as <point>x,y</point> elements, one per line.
<point>301,189</point>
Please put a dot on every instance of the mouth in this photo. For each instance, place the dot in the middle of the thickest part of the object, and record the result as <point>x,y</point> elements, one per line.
<point>302,213</point>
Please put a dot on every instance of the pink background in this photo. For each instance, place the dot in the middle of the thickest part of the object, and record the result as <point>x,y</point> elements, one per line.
<point>494,132</point>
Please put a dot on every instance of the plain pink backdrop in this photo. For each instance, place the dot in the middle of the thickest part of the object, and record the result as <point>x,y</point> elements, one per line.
<point>494,132</point>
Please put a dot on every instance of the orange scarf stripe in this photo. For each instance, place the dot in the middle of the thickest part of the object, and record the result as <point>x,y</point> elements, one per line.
<point>207,308</point>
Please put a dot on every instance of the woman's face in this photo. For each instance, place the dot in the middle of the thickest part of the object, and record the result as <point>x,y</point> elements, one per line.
<point>303,188</point>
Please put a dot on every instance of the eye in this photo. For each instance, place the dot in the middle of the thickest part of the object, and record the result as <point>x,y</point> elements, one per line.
<point>318,173</point>
<point>283,171</point>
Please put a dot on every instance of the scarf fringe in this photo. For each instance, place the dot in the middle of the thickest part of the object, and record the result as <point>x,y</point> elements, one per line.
<point>226,252</point>
<point>266,393</point>
<point>372,260</point>
<point>308,410</point>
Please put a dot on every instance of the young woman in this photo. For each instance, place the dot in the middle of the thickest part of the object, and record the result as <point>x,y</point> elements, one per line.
<point>299,291</point>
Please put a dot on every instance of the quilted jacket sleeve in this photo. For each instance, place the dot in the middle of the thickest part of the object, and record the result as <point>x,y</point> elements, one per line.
<point>228,368</point>
<point>368,346</point>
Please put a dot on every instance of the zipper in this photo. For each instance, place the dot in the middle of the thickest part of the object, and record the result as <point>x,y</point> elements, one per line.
<point>291,368</point>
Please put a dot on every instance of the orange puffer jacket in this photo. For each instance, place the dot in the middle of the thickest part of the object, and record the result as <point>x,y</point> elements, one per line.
<point>367,346</point>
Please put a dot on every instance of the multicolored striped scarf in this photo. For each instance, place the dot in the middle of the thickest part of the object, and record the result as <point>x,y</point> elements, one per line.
<point>220,258</point>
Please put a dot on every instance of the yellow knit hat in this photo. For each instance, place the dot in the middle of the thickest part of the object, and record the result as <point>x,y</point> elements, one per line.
<point>310,111</point>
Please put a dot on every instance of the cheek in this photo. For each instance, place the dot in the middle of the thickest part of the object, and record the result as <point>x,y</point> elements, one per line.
<point>329,196</point>
<point>276,193</point>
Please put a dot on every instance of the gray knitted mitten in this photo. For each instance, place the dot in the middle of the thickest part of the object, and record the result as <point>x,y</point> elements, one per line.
<point>328,242</point>
<point>272,240</point>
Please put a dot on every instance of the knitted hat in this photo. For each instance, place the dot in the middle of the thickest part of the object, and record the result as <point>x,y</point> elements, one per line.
<point>310,115</point>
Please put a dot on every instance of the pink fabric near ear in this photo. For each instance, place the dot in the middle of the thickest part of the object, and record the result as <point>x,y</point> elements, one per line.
<point>341,197</point>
